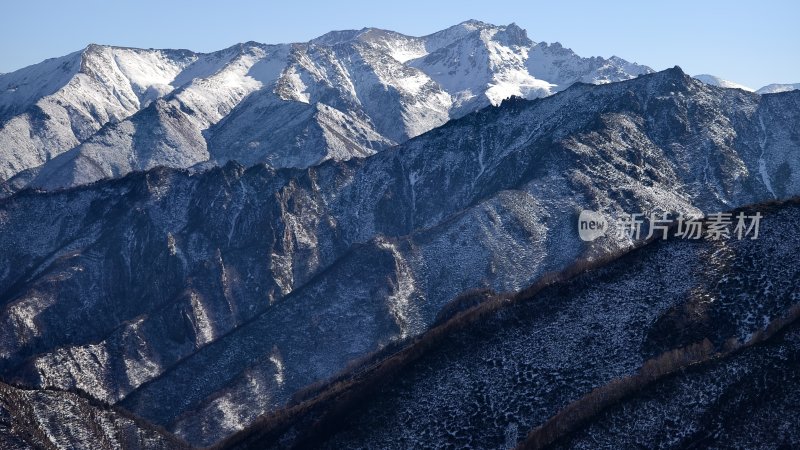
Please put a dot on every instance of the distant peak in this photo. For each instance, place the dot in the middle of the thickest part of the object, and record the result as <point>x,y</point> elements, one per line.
<point>674,72</point>
<point>778,87</point>
<point>677,70</point>
<point>555,47</point>
<point>717,81</point>
<point>469,26</point>
<point>475,23</point>
<point>338,36</point>
<point>674,78</point>
<point>511,34</point>
<point>514,35</point>
<point>94,48</point>
<point>515,27</point>
<point>91,53</point>
<point>368,35</point>
<point>252,44</point>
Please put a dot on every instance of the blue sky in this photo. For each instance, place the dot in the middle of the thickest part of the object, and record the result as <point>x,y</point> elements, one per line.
<point>750,42</point>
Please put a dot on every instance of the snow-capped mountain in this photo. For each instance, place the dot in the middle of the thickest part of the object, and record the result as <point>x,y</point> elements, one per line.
<point>717,81</point>
<point>53,106</point>
<point>200,301</point>
<point>105,111</point>
<point>768,89</point>
<point>773,88</point>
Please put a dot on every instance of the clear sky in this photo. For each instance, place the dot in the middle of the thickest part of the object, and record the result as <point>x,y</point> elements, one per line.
<point>751,42</point>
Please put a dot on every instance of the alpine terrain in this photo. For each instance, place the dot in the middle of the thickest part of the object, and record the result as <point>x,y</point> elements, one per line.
<point>106,111</point>
<point>370,240</point>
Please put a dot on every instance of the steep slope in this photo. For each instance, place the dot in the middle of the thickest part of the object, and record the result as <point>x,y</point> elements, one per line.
<point>168,132</point>
<point>392,87</point>
<point>46,419</point>
<point>562,67</point>
<point>745,401</point>
<point>346,94</point>
<point>486,383</point>
<point>48,108</point>
<point>200,301</point>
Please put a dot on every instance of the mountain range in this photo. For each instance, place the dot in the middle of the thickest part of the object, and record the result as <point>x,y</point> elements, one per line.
<point>106,111</point>
<point>271,280</point>
<point>193,244</point>
<point>658,348</point>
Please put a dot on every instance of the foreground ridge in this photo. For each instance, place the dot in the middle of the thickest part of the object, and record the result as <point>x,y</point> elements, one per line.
<point>381,402</point>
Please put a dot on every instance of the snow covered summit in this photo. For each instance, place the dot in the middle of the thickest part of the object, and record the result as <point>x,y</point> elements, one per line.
<point>105,111</point>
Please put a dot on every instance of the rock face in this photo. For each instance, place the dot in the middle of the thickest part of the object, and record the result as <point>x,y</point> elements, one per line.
<point>46,419</point>
<point>487,385</point>
<point>201,300</point>
<point>106,111</point>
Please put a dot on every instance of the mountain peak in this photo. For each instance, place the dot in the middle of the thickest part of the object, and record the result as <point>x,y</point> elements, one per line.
<point>674,76</point>
<point>446,75</point>
<point>719,82</point>
<point>556,48</point>
<point>512,34</point>
<point>338,36</point>
<point>676,69</point>
<point>474,24</point>
<point>778,87</point>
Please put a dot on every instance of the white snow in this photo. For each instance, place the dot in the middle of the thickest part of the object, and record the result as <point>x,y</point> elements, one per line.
<point>370,88</point>
<point>762,164</point>
<point>401,303</point>
<point>776,87</point>
<point>716,81</point>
